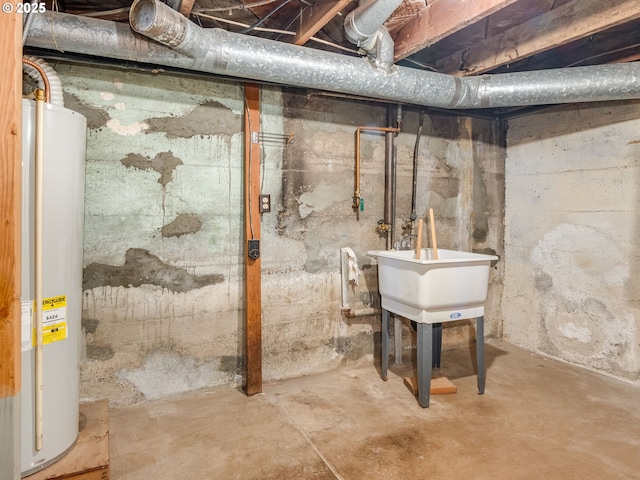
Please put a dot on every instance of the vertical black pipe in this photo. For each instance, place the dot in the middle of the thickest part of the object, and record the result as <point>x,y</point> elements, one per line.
<point>416,152</point>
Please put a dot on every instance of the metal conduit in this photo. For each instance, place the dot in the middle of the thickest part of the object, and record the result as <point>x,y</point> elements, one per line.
<point>41,76</point>
<point>219,52</point>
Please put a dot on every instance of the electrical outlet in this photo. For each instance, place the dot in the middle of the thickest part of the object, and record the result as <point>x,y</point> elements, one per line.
<point>265,203</point>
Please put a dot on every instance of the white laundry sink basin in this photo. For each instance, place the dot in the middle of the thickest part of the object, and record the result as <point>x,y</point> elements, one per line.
<point>454,287</point>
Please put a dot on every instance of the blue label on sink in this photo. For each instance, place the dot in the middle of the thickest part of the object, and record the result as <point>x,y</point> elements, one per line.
<point>455,315</point>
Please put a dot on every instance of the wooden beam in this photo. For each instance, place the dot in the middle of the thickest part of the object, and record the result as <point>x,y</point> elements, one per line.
<point>10,241</point>
<point>253,280</point>
<point>570,22</point>
<point>321,13</point>
<point>406,12</point>
<point>609,46</point>
<point>186,6</point>
<point>10,201</point>
<point>440,19</point>
<point>629,58</point>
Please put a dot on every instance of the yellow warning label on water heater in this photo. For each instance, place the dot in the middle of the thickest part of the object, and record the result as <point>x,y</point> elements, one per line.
<point>54,303</point>
<point>54,320</point>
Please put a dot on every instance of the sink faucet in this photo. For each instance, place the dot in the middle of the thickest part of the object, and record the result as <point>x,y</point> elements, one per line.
<point>407,242</point>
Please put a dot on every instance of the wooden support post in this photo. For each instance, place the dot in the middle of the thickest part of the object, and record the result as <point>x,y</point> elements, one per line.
<point>10,201</point>
<point>10,244</point>
<point>253,297</point>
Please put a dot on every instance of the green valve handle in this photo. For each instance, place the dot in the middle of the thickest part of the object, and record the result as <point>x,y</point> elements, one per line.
<point>362,204</point>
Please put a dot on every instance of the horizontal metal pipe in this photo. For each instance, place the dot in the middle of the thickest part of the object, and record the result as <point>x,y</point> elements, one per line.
<point>219,52</point>
<point>360,312</point>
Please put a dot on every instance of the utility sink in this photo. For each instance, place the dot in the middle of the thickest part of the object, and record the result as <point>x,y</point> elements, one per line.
<point>430,291</point>
<point>454,287</point>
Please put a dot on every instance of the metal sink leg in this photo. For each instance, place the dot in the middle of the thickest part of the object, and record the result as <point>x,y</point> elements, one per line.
<point>384,341</point>
<point>424,356</point>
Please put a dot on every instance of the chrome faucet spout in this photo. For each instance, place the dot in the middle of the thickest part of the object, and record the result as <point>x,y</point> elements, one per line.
<point>406,243</point>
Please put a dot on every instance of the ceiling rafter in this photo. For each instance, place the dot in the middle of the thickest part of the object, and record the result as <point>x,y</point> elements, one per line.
<point>407,10</point>
<point>440,19</point>
<point>186,6</point>
<point>608,46</point>
<point>321,13</point>
<point>542,33</point>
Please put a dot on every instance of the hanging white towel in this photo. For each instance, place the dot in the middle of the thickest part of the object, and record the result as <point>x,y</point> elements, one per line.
<point>353,272</point>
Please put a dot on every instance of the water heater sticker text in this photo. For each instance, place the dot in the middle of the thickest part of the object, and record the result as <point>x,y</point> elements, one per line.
<point>54,321</point>
<point>54,302</point>
<point>27,313</point>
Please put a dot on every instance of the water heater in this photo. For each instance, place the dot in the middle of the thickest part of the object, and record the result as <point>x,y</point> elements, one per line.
<point>62,237</point>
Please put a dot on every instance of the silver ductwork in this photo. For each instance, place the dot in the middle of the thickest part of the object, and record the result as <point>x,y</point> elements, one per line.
<point>364,27</point>
<point>223,53</point>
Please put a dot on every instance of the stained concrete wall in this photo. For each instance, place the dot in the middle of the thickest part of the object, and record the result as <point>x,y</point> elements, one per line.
<point>163,307</point>
<point>460,176</point>
<point>571,243</point>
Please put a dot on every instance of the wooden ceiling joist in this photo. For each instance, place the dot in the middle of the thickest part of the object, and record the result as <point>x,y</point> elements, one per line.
<point>542,33</point>
<point>609,46</point>
<point>440,19</point>
<point>186,6</point>
<point>407,10</point>
<point>321,14</point>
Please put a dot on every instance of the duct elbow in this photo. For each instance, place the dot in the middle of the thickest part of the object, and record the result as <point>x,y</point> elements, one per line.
<point>380,49</point>
<point>379,45</point>
<point>364,40</point>
<point>384,49</point>
<point>362,23</point>
<point>159,22</point>
<point>364,27</point>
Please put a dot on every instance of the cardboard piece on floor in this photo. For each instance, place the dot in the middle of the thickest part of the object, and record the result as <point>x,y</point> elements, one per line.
<point>439,386</point>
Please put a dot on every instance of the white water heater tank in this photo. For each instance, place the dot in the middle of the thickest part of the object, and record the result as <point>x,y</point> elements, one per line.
<point>63,220</point>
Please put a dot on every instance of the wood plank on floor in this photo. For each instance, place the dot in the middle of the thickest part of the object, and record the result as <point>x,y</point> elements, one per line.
<point>439,386</point>
<point>88,459</point>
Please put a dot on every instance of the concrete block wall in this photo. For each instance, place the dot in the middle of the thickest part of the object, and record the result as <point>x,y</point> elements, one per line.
<point>163,306</point>
<point>572,277</point>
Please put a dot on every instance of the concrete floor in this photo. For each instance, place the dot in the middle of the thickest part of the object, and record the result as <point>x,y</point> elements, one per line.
<point>539,419</point>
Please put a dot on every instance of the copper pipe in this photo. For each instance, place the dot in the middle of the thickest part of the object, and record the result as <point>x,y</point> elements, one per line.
<point>356,193</point>
<point>45,79</point>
